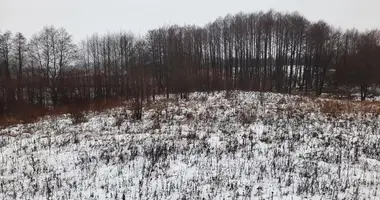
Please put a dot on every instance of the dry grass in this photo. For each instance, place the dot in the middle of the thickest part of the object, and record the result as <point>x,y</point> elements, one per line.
<point>105,104</point>
<point>23,113</point>
<point>9,121</point>
<point>346,107</point>
<point>29,114</point>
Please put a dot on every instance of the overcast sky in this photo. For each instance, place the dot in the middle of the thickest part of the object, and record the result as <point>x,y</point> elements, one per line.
<point>84,17</point>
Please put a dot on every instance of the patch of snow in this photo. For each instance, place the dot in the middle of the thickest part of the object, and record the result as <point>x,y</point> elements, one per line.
<point>210,147</point>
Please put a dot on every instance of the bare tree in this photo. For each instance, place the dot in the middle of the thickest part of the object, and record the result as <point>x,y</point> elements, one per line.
<point>19,53</point>
<point>54,52</point>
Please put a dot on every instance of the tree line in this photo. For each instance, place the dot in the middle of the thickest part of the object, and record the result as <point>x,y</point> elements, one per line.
<point>261,51</point>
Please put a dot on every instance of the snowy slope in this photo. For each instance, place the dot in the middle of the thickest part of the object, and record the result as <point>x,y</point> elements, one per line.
<point>216,146</point>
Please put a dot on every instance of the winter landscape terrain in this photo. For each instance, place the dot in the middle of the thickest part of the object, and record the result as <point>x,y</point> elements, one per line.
<point>226,145</point>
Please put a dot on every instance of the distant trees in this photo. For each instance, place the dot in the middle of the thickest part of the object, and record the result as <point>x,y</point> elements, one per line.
<point>7,92</point>
<point>266,51</point>
<point>52,52</point>
<point>361,61</point>
<point>19,52</point>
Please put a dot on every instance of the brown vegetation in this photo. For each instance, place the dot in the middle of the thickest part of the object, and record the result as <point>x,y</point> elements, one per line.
<point>337,107</point>
<point>276,52</point>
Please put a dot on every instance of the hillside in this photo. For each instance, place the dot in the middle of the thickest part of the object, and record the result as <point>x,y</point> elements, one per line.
<point>238,145</point>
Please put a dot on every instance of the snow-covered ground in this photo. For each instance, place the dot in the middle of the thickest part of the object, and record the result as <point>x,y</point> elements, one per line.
<point>240,145</point>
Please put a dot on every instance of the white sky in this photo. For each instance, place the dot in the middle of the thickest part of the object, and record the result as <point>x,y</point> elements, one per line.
<point>84,17</point>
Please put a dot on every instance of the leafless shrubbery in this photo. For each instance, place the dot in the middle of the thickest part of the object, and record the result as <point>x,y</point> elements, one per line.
<point>191,136</point>
<point>247,117</point>
<point>156,118</point>
<point>189,116</point>
<point>229,94</point>
<point>204,98</point>
<point>262,98</point>
<point>78,117</point>
<point>137,110</point>
<point>119,120</point>
<point>281,101</point>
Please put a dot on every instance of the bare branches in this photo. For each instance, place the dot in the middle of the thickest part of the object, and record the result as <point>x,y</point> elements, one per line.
<point>265,51</point>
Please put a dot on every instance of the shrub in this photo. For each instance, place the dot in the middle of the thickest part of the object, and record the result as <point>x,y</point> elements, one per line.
<point>246,117</point>
<point>119,120</point>
<point>137,110</point>
<point>77,116</point>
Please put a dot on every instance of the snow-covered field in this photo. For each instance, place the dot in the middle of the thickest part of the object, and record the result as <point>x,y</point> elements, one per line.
<point>240,145</point>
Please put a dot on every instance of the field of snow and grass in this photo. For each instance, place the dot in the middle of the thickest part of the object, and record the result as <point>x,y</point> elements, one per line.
<point>239,145</point>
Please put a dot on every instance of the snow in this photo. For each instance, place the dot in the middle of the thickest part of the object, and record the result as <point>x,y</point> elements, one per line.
<point>214,146</point>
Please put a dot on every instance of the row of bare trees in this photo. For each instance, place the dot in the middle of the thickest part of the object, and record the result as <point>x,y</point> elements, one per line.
<point>263,51</point>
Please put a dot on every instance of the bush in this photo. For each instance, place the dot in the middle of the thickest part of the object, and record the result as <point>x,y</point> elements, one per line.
<point>78,117</point>
<point>246,117</point>
<point>119,120</point>
<point>137,110</point>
